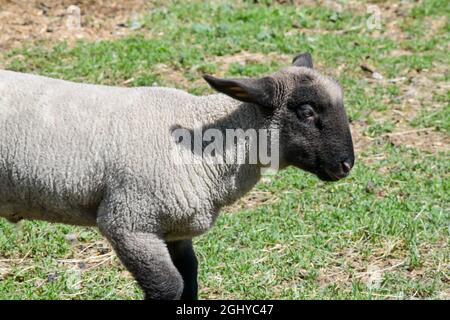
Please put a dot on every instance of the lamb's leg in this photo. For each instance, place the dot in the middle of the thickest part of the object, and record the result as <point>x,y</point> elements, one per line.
<point>146,256</point>
<point>183,256</point>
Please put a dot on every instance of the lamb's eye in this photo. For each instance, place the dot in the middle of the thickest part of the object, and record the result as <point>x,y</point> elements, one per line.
<point>305,112</point>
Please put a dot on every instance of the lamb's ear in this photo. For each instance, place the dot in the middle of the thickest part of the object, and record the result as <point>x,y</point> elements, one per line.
<point>303,60</point>
<point>258,91</point>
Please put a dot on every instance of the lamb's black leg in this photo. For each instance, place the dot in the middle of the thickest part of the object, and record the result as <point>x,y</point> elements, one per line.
<point>146,256</point>
<point>183,257</point>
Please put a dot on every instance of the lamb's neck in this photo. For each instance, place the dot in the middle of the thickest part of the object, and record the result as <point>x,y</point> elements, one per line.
<point>223,113</point>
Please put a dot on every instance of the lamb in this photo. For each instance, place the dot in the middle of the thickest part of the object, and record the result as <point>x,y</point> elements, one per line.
<point>104,156</point>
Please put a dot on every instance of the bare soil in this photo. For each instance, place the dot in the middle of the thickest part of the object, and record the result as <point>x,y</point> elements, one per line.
<point>26,21</point>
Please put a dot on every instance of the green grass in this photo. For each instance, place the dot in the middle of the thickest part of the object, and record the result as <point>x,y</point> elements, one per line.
<point>309,240</point>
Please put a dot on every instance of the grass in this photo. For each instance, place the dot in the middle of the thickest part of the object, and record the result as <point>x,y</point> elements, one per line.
<point>381,233</point>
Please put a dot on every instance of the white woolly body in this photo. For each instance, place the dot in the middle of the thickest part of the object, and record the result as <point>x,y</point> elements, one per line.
<point>71,153</point>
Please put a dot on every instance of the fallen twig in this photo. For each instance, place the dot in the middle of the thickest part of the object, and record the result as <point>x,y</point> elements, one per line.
<point>400,133</point>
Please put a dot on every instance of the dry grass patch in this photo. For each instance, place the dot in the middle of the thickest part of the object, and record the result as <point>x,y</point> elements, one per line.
<point>245,57</point>
<point>425,139</point>
<point>252,200</point>
<point>51,20</point>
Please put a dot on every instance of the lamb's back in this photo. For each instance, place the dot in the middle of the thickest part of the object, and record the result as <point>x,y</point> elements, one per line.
<point>63,142</point>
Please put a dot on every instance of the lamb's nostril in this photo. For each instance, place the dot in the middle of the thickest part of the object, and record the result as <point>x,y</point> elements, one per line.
<point>346,167</point>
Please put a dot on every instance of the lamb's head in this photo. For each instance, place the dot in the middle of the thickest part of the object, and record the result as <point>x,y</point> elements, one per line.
<point>308,109</point>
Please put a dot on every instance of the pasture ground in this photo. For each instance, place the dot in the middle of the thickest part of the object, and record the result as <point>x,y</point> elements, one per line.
<point>382,233</point>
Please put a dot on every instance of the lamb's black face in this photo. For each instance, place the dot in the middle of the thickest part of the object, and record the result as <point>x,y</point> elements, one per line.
<point>314,128</point>
<point>308,109</point>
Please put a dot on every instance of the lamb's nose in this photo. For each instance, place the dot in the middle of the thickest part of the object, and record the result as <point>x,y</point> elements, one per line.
<point>346,167</point>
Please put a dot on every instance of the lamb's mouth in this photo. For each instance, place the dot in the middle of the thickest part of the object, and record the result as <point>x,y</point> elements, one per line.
<point>325,174</point>
<point>320,172</point>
